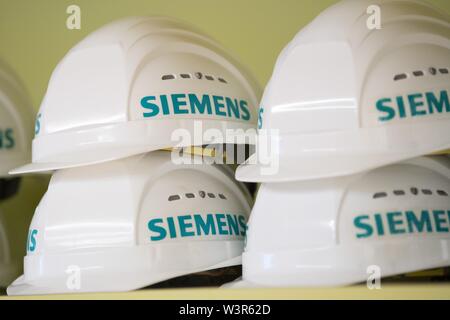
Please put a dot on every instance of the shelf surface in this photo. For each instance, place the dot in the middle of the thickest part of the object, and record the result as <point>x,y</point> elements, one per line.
<point>387,291</point>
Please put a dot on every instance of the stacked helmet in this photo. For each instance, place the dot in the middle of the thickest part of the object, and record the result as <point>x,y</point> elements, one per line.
<point>351,111</point>
<point>15,142</point>
<point>16,122</point>
<point>138,85</point>
<point>131,223</point>
<point>337,231</point>
<point>346,98</point>
<point>9,268</point>
<point>128,90</point>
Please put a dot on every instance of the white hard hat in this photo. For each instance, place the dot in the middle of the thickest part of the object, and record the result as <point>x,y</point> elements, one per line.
<point>133,222</point>
<point>16,121</point>
<point>127,87</point>
<point>9,267</point>
<point>388,221</point>
<point>346,97</point>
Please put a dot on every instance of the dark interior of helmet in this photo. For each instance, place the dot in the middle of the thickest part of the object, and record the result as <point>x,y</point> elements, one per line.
<point>210,278</point>
<point>8,187</point>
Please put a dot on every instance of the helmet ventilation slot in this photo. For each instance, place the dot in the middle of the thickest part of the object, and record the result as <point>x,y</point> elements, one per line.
<point>196,75</point>
<point>413,190</point>
<point>201,194</point>
<point>379,195</point>
<point>419,73</point>
<point>168,77</point>
<point>400,76</point>
<point>174,197</point>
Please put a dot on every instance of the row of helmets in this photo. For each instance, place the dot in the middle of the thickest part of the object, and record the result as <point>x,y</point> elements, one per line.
<point>347,126</point>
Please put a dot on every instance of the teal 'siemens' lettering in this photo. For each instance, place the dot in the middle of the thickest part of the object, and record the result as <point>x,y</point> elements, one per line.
<point>32,241</point>
<point>7,138</point>
<point>197,225</point>
<point>182,104</point>
<point>402,222</point>
<point>37,124</point>
<point>260,117</point>
<point>413,105</point>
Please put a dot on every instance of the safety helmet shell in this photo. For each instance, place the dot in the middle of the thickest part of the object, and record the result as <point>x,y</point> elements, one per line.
<point>129,86</point>
<point>133,222</point>
<point>328,232</point>
<point>345,97</point>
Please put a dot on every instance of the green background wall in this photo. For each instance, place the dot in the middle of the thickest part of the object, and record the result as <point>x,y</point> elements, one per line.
<point>34,38</point>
